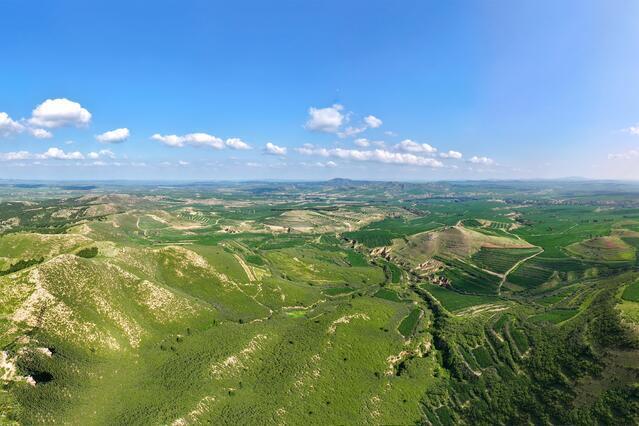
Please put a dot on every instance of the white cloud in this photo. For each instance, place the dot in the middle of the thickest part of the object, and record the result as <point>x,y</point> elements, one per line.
<point>451,154</point>
<point>274,149</point>
<point>328,119</point>
<point>170,140</point>
<point>204,139</point>
<point>183,163</point>
<point>55,153</point>
<point>331,119</point>
<point>41,133</point>
<point>200,139</point>
<point>408,145</point>
<point>377,155</point>
<point>629,155</point>
<point>482,160</point>
<point>54,113</point>
<point>114,136</point>
<point>237,143</point>
<point>52,153</point>
<point>103,153</point>
<point>58,154</point>
<point>106,153</point>
<point>373,122</point>
<point>9,126</point>
<point>327,164</point>
<point>633,130</point>
<point>365,143</point>
<point>15,156</point>
<point>193,139</point>
<point>350,132</point>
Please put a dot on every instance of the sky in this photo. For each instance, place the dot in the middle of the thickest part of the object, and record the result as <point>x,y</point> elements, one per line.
<point>398,90</point>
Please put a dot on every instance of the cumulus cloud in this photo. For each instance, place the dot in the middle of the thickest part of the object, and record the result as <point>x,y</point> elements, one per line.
<point>200,140</point>
<point>52,153</point>
<point>203,139</point>
<point>237,143</point>
<point>170,140</point>
<point>103,153</point>
<point>58,154</point>
<point>273,149</point>
<point>9,126</point>
<point>482,160</point>
<point>60,112</point>
<point>50,114</point>
<point>327,120</point>
<point>377,155</point>
<point>193,139</point>
<point>114,136</point>
<point>633,130</point>
<point>451,154</point>
<point>183,163</point>
<point>372,121</point>
<point>55,153</point>
<point>332,119</point>
<point>362,142</point>
<point>408,145</point>
<point>41,133</point>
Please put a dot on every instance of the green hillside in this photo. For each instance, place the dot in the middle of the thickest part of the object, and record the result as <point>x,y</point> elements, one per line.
<point>174,310</point>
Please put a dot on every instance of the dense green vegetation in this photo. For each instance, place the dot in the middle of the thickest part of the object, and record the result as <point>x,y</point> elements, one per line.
<point>501,260</point>
<point>454,301</point>
<point>469,279</point>
<point>408,324</point>
<point>388,294</point>
<point>88,252</point>
<point>631,292</point>
<point>381,233</point>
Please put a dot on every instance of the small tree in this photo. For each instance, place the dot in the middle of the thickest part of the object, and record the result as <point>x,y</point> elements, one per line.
<point>88,252</point>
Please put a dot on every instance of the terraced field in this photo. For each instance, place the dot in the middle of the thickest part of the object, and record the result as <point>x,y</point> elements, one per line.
<point>501,260</point>
<point>251,304</point>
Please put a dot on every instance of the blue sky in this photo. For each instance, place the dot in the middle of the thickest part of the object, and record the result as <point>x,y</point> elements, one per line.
<point>410,90</point>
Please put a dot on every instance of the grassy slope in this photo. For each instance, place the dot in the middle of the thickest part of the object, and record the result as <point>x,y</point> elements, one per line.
<point>152,323</point>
